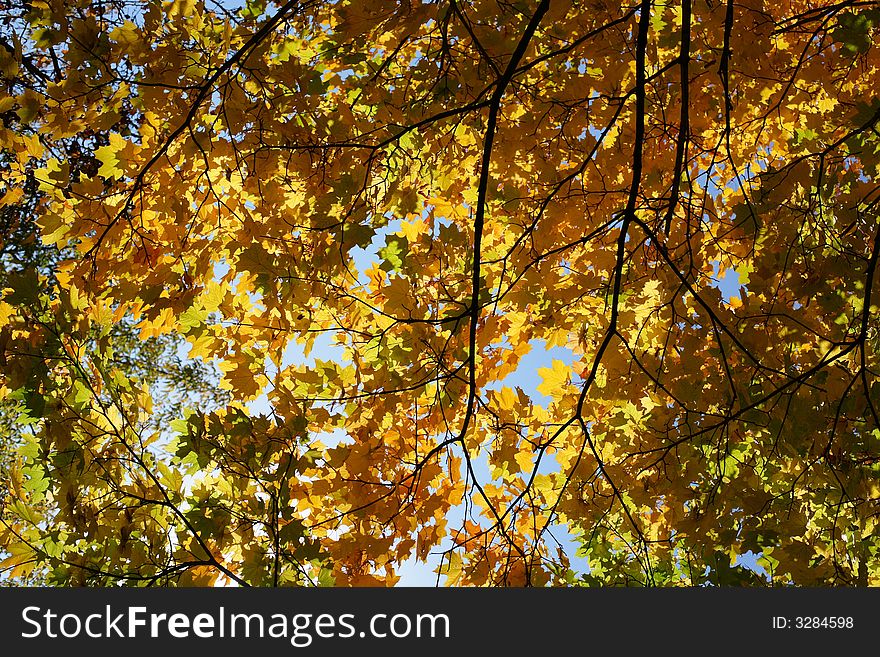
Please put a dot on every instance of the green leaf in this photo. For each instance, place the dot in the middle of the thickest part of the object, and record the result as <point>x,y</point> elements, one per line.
<point>393,253</point>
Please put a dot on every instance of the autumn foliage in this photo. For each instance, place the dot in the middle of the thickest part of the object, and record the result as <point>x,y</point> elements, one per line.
<point>364,215</point>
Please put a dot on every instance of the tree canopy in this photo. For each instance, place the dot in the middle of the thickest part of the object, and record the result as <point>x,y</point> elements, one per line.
<point>365,215</point>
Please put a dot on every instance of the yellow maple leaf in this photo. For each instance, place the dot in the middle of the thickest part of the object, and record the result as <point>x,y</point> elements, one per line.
<point>110,157</point>
<point>6,311</point>
<point>554,378</point>
<point>506,398</point>
<point>524,460</point>
<point>412,229</point>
